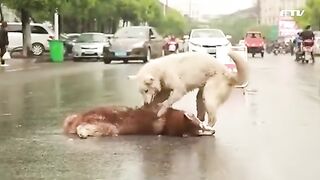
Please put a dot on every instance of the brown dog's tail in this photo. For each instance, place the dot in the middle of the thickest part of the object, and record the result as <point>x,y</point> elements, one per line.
<point>241,76</point>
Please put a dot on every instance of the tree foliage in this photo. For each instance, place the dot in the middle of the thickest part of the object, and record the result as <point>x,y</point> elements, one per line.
<point>311,15</point>
<point>97,15</point>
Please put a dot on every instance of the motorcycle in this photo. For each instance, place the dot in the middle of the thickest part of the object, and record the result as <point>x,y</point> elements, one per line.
<point>171,47</point>
<point>276,50</point>
<point>307,49</point>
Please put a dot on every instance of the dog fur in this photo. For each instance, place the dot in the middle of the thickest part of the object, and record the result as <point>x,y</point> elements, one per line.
<point>167,79</point>
<point>114,121</point>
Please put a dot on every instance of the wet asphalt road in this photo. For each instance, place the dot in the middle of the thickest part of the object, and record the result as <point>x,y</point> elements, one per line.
<point>271,133</point>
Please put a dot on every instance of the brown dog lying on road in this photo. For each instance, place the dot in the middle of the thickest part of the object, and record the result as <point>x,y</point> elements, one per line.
<point>114,121</point>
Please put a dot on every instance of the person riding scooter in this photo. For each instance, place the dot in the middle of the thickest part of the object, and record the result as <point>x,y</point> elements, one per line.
<point>171,46</point>
<point>308,38</point>
<point>276,47</point>
<point>297,46</point>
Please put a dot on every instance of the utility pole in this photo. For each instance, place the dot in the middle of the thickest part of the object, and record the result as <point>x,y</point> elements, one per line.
<point>258,11</point>
<point>190,4</point>
<point>165,7</point>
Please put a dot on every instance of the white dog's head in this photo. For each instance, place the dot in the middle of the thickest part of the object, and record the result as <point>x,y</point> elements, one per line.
<point>149,86</point>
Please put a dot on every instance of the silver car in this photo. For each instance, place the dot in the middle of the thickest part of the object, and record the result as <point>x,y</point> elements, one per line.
<point>90,46</point>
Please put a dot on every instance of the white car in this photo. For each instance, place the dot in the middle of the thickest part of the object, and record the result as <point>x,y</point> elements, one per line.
<point>90,45</point>
<point>242,43</point>
<point>317,46</point>
<point>40,34</point>
<point>208,40</point>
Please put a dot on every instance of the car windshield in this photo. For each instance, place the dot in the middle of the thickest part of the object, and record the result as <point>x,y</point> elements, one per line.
<point>254,35</point>
<point>90,38</point>
<point>72,37</point>
<point>131,33</point>
<point>207,34</point>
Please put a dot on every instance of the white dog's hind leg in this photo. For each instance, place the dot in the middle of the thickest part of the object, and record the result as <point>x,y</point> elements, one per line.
<point>216,91</point>
<point>201,112</point>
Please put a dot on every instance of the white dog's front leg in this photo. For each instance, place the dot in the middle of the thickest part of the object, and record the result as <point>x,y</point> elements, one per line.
<point>174,97</point>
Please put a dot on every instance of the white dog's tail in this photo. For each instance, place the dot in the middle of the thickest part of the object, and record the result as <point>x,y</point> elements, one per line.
<point>241,76</point>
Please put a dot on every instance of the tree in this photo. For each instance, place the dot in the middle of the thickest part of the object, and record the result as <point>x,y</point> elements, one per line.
<point>96,15</point>
<point>311,15</point>
<point>25,8</point>
<point>1,14</point>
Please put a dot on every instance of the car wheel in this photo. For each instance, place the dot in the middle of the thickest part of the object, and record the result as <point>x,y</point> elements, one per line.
<point>37,49</point>
<point>253,55</point>
<point>262,54</point>
<point>76,59</point>
<point>148,56</point>
<point>107,61</point>
<point>65,51</point>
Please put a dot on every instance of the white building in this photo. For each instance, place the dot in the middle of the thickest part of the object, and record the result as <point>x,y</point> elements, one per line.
<point>270,9</point>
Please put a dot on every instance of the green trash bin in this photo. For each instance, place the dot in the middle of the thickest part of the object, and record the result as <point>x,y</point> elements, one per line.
<point>56,50</point>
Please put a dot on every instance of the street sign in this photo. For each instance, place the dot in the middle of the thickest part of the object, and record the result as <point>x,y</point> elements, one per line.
<point>287,27</point>
<point>291,13</point>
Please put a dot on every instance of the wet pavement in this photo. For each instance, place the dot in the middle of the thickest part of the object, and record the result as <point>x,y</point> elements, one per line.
<point>271,133</point>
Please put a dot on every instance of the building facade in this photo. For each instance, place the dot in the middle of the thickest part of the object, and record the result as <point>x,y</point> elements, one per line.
<point>270,9</point>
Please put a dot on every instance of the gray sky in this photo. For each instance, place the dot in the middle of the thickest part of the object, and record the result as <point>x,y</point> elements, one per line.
<point>212,7</point>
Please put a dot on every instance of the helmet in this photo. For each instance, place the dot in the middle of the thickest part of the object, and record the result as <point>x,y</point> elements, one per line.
<point>308,26</point>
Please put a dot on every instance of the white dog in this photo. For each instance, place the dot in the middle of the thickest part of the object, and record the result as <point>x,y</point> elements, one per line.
<point>167,79</point>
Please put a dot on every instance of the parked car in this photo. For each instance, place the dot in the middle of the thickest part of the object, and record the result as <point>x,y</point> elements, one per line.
<point>317,46</point>
<point>134,43</point>
<point>89,45</point>
<point>207,40</point>
<point>40,34</point>
<point>255,43</point>
<point>241,43</point>
<point>69,41</point>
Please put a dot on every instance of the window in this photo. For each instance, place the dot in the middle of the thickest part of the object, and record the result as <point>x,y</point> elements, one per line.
<point>151,32</point>
<point>131,32</point>
<point>91,38</point>
<point>155,33</point>
<point>38,30</point>
<point>14,28</point>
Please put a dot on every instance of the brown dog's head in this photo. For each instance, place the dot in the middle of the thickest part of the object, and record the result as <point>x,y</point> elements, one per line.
<point>180,123</point>
<point>71,123</point>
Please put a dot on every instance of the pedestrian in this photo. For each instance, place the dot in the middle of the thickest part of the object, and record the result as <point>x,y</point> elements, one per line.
<point>291,45</point>
<point>4,42</point>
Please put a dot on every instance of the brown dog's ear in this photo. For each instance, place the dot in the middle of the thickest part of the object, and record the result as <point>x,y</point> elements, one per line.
<point>189,115</point>
<point>192,117</point>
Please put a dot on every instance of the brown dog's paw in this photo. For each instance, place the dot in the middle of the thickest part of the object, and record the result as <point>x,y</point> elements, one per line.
<point>86,130</point>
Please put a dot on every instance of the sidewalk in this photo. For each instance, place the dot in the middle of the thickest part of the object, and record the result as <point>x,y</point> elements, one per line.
<point>18,64</point>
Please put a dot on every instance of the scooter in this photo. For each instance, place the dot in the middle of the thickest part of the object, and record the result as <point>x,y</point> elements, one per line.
<point>307,48</point>
<point>276,50</point>
<point>171,47</point>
